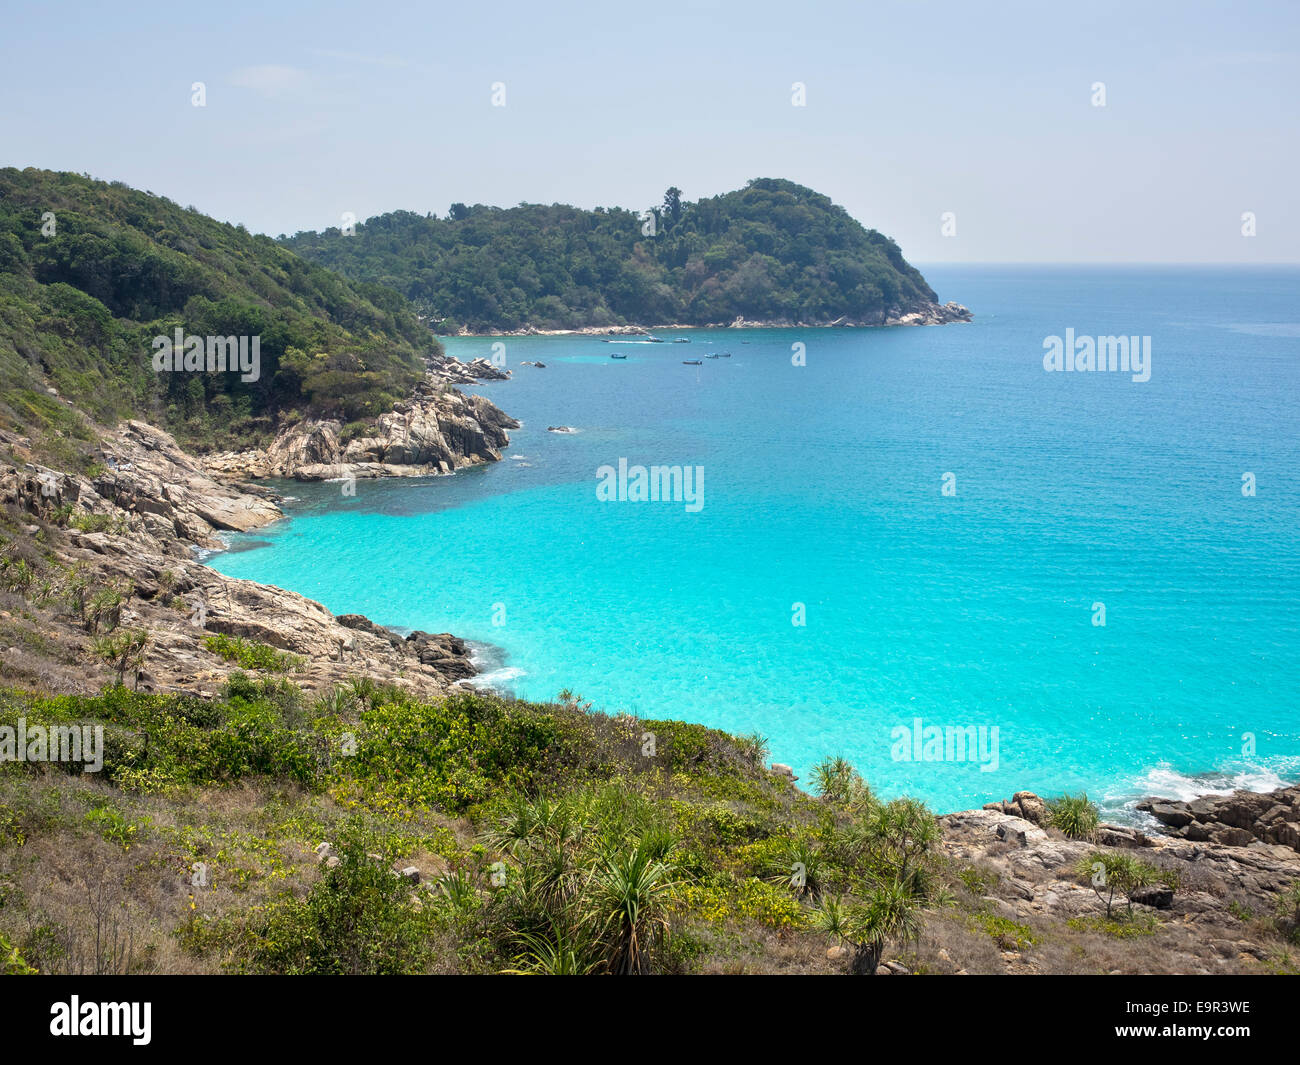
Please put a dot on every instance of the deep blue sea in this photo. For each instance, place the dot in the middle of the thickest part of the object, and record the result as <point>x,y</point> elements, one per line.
<point>823,502</point>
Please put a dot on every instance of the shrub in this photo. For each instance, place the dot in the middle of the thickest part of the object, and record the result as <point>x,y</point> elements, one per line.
<point>1008,934</point>
<point>13,963</point>
<point>1114,873</point>
<point>252,655</point>
<point>839,784</point>
<point>1074,815</point>
<point>359,919</point>
<point>1288,911</point>
<point>123,650</point>
<point>104,610</point>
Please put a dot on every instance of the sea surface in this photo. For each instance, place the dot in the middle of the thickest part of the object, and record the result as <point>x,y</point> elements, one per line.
<point>828,594</point>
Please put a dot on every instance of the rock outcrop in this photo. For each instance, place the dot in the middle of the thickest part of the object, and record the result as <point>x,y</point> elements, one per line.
<point>1242,819</point>
<point>1022,804</point>
<point>445,368</point>
<point>1036,877</point>
<point>436,431</point>
<point>133,528</point>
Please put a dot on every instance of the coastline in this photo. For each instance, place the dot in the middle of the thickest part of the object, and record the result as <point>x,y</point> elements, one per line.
<point>173,509</point>
<point>930,314</point>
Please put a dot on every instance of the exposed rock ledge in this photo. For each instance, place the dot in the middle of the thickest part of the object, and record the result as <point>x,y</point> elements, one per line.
<point>1033,878</point>
<point>445,368</point>
<point>160,504</point>
<point>1242,819</point>
<point>435,432</point>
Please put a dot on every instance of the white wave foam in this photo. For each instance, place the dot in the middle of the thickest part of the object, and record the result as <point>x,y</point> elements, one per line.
<point>496,679</point>
<point>1169,783</point>
<point>1165,782</point>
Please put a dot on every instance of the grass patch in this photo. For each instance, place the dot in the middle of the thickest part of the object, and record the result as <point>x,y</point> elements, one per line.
<point>252,655</point>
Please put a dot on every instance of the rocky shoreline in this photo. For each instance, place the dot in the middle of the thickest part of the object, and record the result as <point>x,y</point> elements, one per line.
<point>134,527</point>
<point>437,431</point>
<point>133,530</point>
<point>930,314</point>
<point>1216,892</point>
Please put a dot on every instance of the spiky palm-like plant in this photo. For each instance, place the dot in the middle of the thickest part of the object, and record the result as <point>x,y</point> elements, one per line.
<point>1074,815</point>
<point>800,867</point>
<point>557,954</point>
<point>889,909</point>
<point>336,702</point>
<point>839,784</point>
<point>895,841</point>
<point>631,890</point>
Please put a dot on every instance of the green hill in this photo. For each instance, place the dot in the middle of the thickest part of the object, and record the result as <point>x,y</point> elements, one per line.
<point>91,273</point>
<point>772,251</point>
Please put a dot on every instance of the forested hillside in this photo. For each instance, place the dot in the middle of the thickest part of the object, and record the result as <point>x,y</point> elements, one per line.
<point>772,251</point>
<point>91,273</point>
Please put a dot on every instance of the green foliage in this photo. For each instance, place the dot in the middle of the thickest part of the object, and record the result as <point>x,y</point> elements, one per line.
<point>358,919</point>
<point>1131,927</point>
<point>103,610</point>
<point>586,882</point>
<point>155,742</point>
<point>124,651</point>
<point>16,574</point>
<point>882,866</point>
<point>453,754</point>
<point>839,784</point>
<point>1115,873</point>
<point>91,523</point>
<point>253,655</point>
<point>1008,934</point>
<point>83,304</point>
<point>1074,815</point>
<point>1288,911</point>
<point>772,250</point>
<point>12,963</point>
<point>112,825</point>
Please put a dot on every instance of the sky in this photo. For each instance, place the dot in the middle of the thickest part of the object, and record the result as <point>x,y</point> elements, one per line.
<point>981,115</point>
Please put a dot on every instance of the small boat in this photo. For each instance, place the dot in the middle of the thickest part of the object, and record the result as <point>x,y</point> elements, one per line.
<point>540,365</point>
<point>682,340</point>
<point>692,362</point>
<point>726,355</point>
<point>713,355</point>
<point>654,340</point>
<point>617,355</point>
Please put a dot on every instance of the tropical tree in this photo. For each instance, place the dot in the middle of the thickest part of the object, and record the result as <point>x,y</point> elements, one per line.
<point>888,910</point>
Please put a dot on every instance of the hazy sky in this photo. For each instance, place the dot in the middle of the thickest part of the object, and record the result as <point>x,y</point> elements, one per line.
<point>912,109</point>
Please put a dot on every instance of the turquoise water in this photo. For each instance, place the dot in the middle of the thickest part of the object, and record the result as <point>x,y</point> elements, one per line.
<point>822,487</point>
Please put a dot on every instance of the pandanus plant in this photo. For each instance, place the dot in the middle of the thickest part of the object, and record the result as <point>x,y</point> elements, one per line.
<point>888,910</point>
<point>631,892</point>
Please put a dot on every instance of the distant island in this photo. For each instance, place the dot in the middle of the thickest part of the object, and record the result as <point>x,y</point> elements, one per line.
<point>772,253</point>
